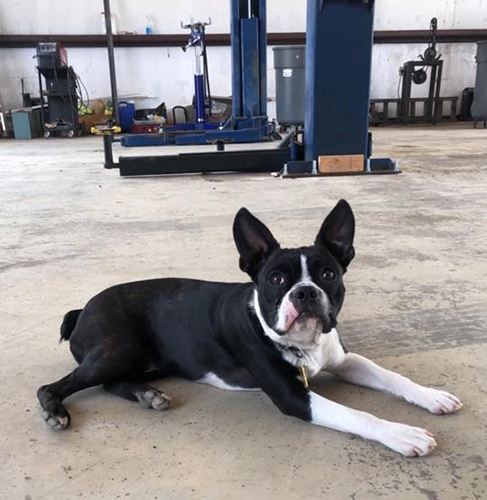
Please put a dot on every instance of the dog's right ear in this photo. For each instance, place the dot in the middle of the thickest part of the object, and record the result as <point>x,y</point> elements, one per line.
<point>254,242</point>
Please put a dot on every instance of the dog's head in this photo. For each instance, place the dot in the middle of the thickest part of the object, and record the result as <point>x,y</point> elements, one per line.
<point>299,292</point>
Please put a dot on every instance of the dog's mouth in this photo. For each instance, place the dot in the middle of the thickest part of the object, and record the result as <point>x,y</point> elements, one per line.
<point>309,321</point>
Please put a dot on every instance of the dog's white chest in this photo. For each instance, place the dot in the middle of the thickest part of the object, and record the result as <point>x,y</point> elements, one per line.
<point>328,354</point>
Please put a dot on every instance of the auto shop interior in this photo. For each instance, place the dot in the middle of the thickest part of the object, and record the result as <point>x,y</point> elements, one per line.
<point>131,135</point>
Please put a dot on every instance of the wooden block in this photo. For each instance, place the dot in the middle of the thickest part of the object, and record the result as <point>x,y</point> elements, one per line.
<point>340,164</point>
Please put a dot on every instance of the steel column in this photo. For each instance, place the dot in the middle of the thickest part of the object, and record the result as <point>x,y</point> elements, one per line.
<point>338,65</point>
<point>249,63</point>
<point>111,59</point>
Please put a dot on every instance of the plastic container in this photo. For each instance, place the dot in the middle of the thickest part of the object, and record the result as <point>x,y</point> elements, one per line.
<point>148,26</point>
<point>290,75</point>
<point>126,112</point>
<point>479,105</point>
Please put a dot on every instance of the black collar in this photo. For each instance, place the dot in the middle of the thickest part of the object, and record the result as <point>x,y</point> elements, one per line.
<point>295,351</point>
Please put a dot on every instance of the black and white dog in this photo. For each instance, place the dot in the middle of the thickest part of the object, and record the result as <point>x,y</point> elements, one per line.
<point>270,334</point>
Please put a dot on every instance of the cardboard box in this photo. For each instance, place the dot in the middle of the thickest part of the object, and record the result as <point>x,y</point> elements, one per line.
<point>340,164</point>
<point>88,121</point>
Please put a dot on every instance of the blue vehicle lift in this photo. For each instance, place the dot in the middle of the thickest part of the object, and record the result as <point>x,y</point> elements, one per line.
<point>338,67</point>
<point>249,121</point>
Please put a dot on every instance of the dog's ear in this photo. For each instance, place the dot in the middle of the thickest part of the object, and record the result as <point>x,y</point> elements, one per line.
<point>337,232</point>
<point>254,242</point>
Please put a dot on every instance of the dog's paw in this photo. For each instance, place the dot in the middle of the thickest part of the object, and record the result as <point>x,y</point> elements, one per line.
<point>436,401</point>
<point>407,440</point>
<point>152,398</point>
<point>57,420</point>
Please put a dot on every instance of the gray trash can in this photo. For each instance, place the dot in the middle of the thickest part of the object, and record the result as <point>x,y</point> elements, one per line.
<point>289,67</point>
<point>479,105</point>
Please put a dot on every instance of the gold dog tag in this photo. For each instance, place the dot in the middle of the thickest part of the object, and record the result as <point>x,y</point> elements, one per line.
<point>304,375</point>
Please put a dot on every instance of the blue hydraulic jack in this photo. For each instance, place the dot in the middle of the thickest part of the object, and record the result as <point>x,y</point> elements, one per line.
<point>249,121</point>
<point>202,95</point>
<point>336,137</point>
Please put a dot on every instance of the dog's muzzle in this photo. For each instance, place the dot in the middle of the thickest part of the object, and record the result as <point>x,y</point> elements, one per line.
<point>307,309</point>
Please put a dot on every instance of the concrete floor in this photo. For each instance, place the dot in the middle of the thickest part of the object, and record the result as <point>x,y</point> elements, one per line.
<point>417,303</point>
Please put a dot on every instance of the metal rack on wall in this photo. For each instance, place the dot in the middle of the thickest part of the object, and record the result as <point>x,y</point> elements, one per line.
<point>223,39</point>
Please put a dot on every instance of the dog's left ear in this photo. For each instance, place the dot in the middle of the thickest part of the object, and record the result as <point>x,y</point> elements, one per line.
<point>337,232</point>
<point>254,242</point>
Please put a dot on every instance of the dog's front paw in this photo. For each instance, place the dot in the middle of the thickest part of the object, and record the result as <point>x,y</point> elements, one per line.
<point>407,440</point>
<point>152,398</point>
<point>57,420</point>
<point>436,401</point>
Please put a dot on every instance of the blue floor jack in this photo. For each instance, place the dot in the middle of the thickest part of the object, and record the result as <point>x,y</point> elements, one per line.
<point>336,139</point>
<point>249,121</point>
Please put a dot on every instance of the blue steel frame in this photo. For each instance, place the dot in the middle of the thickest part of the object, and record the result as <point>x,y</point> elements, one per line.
<point>338,65</point>
<point>339,37</point>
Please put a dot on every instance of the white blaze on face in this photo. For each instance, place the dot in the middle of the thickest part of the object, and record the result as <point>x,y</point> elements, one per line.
<point>305,277</point>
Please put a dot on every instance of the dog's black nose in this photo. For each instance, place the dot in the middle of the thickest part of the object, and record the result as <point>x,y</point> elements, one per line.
<point>304,295</point>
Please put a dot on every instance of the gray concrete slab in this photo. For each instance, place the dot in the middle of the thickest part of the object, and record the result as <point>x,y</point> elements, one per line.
<point>416,303</point>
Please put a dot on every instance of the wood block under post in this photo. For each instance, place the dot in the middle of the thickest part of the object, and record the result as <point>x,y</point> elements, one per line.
<point>340,164</point>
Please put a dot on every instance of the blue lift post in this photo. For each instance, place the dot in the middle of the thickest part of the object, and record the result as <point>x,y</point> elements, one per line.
<point>337,68</point>
<point>339,38</point>
<point>249,67</point>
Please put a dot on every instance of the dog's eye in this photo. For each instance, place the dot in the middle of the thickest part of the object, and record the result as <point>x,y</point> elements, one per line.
<point>276,279</point>
<point>329,274</point>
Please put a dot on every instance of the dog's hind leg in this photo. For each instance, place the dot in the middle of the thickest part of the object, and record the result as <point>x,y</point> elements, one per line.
<point>147,396</point>
<point>98,367</point>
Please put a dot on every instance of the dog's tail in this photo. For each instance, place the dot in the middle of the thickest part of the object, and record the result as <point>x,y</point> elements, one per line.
<point>69,322</point>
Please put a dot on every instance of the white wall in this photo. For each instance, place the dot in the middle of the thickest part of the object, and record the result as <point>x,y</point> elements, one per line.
<point>151,75</point>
